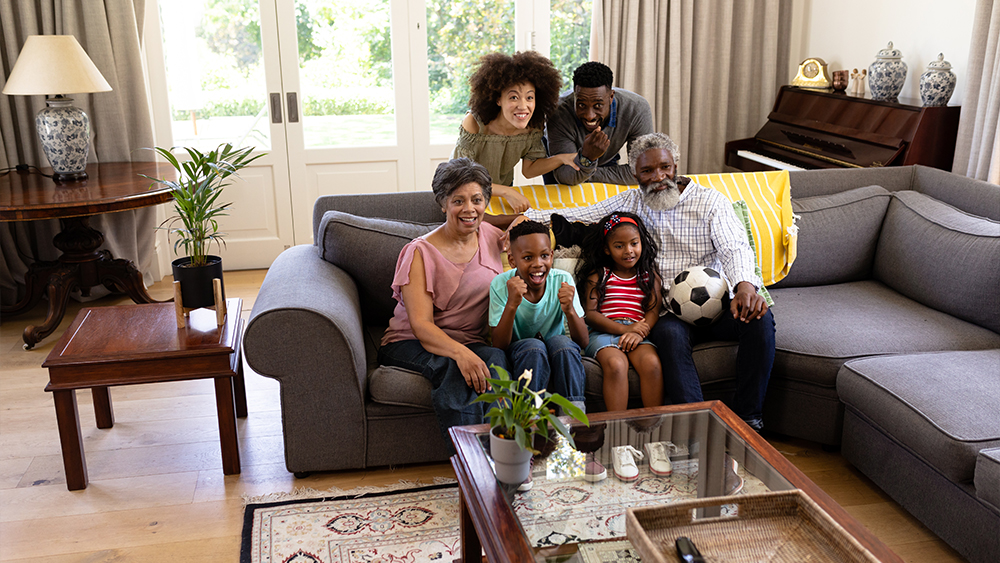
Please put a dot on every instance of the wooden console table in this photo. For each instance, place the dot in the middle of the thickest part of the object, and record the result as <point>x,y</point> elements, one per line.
<point>111,187</point>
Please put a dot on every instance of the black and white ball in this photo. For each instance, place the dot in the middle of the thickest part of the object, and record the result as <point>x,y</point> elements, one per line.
<point>699,296</point>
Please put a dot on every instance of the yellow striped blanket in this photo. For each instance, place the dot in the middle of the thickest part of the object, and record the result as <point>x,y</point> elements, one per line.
<point>767,195</point>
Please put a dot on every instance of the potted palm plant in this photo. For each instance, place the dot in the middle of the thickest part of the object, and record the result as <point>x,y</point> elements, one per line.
<point>194,227</point>
<point>517,417</point>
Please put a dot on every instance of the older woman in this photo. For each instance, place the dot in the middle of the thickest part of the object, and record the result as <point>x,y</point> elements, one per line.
<point>512,96</point>
<point>442,287</point>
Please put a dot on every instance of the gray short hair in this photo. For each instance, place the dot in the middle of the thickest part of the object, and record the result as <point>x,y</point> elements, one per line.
<point>455,173</point>
<point>653,141</point>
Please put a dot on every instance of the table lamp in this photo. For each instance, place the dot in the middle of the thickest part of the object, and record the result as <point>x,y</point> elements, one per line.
<point>54,65</point>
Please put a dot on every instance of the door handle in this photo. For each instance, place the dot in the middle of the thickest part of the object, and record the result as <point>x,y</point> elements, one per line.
<point>293,108</point>
<point>275,107</point>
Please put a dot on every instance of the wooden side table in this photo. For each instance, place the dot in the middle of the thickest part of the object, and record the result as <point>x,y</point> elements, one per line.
<point>131,344</point>
<point>110,187</point>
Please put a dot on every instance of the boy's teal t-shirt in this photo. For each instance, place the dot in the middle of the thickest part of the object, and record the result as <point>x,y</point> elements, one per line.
<point>531,319</point>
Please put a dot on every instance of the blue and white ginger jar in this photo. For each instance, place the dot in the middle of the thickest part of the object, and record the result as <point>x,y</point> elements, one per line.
<point>887,74</point>
<point>937,83</point>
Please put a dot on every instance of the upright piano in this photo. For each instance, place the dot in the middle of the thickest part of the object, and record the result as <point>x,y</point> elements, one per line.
<point>811,129</point>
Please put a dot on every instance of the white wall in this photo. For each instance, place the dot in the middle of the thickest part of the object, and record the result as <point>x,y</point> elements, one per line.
<point>848,34</point>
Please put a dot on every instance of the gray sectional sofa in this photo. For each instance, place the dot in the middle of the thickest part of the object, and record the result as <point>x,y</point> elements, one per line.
<point>888,340</point>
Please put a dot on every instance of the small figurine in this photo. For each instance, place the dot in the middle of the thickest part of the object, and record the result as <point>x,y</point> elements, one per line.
<point>858,84</point>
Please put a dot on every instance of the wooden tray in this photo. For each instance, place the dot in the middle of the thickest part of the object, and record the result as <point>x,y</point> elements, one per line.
<point>775,527</point>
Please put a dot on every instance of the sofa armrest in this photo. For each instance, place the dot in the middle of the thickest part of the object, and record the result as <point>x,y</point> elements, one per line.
<point>305,330</point>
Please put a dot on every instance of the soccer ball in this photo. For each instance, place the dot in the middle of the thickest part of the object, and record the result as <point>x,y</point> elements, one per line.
<point>699,296</point>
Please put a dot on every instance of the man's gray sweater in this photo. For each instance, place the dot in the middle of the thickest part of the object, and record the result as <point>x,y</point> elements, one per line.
<point>632,119</point>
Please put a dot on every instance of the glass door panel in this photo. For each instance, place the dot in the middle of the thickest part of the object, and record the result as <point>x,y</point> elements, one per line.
<point>215,73</point>
<point>569,26</point>
<point>458,33</point>
<point>345,73</point>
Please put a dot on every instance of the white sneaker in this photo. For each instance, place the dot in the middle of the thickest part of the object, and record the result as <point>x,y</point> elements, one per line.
<point>659,457</point>
<point>624,458</point>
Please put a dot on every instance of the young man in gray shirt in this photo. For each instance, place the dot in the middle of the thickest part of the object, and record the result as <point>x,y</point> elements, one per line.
<point>595,121</point>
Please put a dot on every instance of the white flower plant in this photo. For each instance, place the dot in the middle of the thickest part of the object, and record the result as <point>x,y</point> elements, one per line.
<point>520,414</point>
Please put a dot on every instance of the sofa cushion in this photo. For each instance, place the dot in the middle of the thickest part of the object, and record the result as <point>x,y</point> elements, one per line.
<point>941,406</point>
<point>942,257</point>
<point>819,328</point>
<point>837,236</point>
<point>367,249</point>
<point>389,385</point>
<point>987,478</point>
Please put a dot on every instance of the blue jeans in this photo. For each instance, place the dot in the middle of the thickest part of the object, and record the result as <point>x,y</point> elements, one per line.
<point>675,338</point>
<point>450,394</point>
<point>556,365</point>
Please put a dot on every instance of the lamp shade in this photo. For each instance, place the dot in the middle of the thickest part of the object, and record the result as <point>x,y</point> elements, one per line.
<point>54,64</point>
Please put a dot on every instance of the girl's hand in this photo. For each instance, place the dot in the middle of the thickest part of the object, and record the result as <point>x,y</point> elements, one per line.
<point>641,328</point>
<point>628,341</point>
<point>473,369</point>
<point>505,237</point>
<point>569,159</point>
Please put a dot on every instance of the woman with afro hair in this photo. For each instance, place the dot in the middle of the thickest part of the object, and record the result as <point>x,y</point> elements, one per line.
<point>512,96</point>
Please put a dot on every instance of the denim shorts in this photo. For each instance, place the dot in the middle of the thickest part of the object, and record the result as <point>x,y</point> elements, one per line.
<point>600,340</point>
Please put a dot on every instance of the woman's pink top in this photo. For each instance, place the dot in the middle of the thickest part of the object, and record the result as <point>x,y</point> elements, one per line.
<point>460,292</point>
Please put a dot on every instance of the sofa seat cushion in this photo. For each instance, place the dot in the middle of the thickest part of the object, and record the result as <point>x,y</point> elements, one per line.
<point>941,406</point>
<point>819,328</point>
<point>942,257</point>
<point>987,478</point>
<point>367,249</point>
<point>837,236</point>
<point>398,387</point>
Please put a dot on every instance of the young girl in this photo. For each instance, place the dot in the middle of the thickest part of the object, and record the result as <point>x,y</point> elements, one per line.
<point>621,298</point>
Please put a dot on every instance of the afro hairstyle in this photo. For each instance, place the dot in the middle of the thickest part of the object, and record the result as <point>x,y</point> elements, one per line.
<point>497,71</point>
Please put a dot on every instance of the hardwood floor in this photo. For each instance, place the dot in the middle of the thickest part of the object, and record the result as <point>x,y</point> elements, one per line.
<point>157,492</point>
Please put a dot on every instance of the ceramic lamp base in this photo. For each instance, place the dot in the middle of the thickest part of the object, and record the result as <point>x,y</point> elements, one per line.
<point>65,134</point>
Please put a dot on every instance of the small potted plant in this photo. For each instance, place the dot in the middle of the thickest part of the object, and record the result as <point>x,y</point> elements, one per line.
<point>200,181</point>
<point>517,417</point>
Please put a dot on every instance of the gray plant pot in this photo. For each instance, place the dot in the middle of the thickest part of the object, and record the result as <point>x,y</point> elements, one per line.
<point>511,462</point>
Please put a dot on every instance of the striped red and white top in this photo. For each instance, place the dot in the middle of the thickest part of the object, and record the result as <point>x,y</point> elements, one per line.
<point>623,298</point>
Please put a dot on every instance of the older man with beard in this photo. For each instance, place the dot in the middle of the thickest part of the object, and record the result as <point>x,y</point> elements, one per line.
<point>695,226</point>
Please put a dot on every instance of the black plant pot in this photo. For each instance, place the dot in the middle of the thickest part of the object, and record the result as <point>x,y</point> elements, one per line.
<point>196,281</point>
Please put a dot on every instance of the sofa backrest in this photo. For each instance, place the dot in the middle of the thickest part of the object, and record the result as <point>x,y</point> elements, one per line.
<point>837,236</point>
<point>968,194</point>
<point>941,257</point>
<point>419,207</point>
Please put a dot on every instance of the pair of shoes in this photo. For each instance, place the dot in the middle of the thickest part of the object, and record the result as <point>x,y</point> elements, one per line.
<point>659,457</point>
<point>624,459</point>
<point>594,471</point>
<point>756,423</point>
<point>528,483</point>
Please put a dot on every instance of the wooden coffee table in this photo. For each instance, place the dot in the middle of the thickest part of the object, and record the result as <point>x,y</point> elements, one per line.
<point>710,437</point>
<point>132,344</point>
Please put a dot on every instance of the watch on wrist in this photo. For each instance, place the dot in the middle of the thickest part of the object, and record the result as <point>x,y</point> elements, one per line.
<point>586,162</point>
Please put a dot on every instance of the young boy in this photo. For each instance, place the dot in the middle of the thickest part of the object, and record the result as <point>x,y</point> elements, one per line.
<point>529,308</point>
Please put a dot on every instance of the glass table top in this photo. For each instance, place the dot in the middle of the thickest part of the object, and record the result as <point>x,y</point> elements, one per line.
<point>568,503</point>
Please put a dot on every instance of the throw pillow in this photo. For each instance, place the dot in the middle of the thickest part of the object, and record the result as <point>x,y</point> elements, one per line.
<point>941,257</point>
<point>367,249</point>
<point>837,236</point>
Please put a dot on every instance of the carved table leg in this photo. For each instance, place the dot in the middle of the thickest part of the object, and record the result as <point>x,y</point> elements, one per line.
<point>61,283</point>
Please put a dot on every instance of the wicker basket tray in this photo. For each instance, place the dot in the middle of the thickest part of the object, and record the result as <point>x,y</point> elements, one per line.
<point>775,527</point>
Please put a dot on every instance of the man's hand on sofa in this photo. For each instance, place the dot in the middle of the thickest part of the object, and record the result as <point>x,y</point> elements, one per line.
<point>747,304</point>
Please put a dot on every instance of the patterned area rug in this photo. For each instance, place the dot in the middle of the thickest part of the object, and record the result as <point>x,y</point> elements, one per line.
<point>413,523</point>
<point>418,524</point>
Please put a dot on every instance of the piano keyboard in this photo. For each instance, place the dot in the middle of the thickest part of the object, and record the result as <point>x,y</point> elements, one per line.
<point>767,160</point>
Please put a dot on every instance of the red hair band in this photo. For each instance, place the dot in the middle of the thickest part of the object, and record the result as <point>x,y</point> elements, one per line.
<point>614,220</point>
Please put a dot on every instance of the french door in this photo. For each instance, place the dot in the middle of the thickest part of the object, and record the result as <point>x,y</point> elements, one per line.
<point>344,96</point>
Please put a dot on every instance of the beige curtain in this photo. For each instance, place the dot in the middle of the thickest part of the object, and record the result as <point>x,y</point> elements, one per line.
<point>110,31</point>
<point>710,69</point>
<point>977,151</point>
